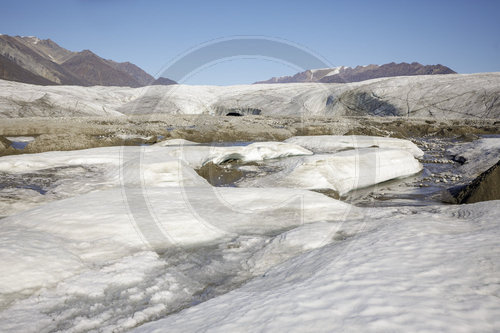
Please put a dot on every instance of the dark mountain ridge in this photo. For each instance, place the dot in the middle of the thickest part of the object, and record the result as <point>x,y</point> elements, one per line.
<point>361,73</point>
<point>35,61</point>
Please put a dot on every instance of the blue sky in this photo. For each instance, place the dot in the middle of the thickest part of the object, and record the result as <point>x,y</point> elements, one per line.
<point>464,35</point>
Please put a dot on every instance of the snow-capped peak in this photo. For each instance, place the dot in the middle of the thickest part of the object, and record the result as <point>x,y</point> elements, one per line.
<point>319,73</point>
<point>33,39</point>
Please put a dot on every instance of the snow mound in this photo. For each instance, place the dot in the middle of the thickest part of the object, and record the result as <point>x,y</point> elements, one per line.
<point>175,142</point>
<point>33,162</point>
<point>70,173</point>
<point>157,167</point>
<point>197,156</point>
<point>335,143</point>
<point>44,177</point>
<point>343,171</point>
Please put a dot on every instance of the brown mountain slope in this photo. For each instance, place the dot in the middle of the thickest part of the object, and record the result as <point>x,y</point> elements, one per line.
<point>96,71</point>
<point>11,71</point>
<point>36,61</point>
<point>31,60</point>
<point>47,48</point>
<point>163,81</point>
<point>134,71</point>
<point>53,52</point>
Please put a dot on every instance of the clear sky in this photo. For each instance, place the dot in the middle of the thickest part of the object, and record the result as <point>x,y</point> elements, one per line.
<point>464,35</point>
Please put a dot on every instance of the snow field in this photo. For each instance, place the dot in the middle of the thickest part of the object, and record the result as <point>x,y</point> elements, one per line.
<point>429,271</point>
<point>80,261</point>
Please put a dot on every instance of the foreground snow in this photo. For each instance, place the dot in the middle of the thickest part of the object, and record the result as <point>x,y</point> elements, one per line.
<point>127,236</point>
<point>97,225</point>
<point>65,236</point>
<point>433,271</point>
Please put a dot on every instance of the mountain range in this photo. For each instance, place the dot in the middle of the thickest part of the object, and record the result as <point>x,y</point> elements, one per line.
<point>344,74</point>
<point>44,62</point>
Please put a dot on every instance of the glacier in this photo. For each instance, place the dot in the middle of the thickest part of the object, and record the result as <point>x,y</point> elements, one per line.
<point>265,254</point>
<point>452,96</point>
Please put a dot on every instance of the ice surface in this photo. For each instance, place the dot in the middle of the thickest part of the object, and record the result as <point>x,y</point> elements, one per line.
<point>175,142</point>
<point>128,235</point>
<point>98,226</point>
<point>343,171</point>
<point>477,156</point>
<point>33,162</point>
<point>66,174</point>
<point>439,96</point>
<point>117,296</point>
<point>20,138</point>
<point>62,100</point>
<point>79,237</point>
<point>334,143</point>
<point>32,259</point>
<point>431,271</point>
<point>133,136</point>
<point>13,200</point>
<point>20,142</point>
<point>196,155</point>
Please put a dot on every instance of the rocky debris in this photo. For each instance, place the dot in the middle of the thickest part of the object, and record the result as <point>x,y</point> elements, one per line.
<point>4,144</point>
<point>484,188</point>
<point>75,141</point>
<point>220,175</point>
<point>328,192</point>
<point>146,129</point>
<point>70,141</point>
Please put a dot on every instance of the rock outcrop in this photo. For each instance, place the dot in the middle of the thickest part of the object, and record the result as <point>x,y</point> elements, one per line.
<point>484,188</point>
